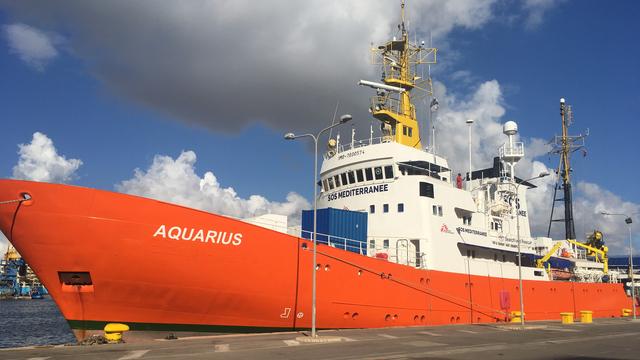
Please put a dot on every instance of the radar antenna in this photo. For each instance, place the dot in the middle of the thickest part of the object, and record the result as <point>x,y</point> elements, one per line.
<point>393,103</point>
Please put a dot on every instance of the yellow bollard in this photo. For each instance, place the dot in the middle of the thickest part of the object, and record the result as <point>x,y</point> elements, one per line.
<point>567,317</point>
<point>626,312</point>
<point>516,317</point>
<point>586,316</point>
<point>113,332</point>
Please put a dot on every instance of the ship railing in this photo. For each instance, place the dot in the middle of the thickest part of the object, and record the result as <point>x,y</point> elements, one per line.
<point>344,243</point>
<point>386,102</point>
<point>511,150</point>
<point>360,143</point>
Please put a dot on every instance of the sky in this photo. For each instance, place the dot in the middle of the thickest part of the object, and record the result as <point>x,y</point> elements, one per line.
<point>187,101</point>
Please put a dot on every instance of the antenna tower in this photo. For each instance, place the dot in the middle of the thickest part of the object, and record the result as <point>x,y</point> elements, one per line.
<point>564,145</point>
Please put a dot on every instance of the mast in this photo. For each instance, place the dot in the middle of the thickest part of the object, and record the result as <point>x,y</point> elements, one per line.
<point>392,105</point>
<point>564,145</point>
<point>569,226</point>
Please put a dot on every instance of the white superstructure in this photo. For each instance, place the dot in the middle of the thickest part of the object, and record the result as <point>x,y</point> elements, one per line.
<point>418,216</point>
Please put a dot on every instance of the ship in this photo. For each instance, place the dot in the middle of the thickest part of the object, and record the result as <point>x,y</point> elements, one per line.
<point>17,279</point>
<point>434,252</point>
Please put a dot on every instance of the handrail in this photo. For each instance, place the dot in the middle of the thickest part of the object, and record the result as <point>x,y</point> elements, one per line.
<point>515,149</point>
<point>363,247</point>
<point>357,144</point>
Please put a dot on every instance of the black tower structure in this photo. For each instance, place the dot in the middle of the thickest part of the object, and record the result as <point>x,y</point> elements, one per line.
<point>564,145</point>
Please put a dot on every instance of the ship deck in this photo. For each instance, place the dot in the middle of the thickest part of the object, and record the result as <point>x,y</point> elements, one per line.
<point>603,339</point>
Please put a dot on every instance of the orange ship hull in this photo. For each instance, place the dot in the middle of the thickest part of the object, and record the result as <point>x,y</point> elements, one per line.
<point>154,265</point>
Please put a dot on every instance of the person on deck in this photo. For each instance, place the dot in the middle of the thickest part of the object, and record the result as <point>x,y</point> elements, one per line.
<point>459,181</point>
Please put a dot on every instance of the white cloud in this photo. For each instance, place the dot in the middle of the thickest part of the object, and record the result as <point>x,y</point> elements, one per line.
<point>536,9</point>
<point>592,199</point>
<point>197,60</point>
<point>33,46</point>
<point>175,181</point>
<point>39,161</point>
<point>485,106</point>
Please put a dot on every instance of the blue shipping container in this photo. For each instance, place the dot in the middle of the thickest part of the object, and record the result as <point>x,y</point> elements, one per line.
<point>342,229</point>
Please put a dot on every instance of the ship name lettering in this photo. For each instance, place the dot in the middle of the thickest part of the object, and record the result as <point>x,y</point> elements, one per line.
<point>201,235</point>
<point>471,231</point>
<point>358,191</point>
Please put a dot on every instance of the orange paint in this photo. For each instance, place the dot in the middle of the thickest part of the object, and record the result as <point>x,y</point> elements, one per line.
<point>259,279</point>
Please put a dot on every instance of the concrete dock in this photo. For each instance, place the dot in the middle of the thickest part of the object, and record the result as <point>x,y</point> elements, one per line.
<point>603,339</point>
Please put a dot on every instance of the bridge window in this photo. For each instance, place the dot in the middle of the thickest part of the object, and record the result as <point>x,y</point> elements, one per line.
<point>343,177</point>
<point>426,189</point>
<point>410,132</point>
<point>325,187</point>
<point>385,208</point>
<point>359,175</point>
<point>388,172</point>
<point>337,179</point>
<point>378,172</point>
<point>330,181</point>
<point>369,174</point>
<point>400,207</point>
<point>352,177</point>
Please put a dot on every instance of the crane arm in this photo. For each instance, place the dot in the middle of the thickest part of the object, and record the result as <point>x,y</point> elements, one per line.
<point>540,262</point>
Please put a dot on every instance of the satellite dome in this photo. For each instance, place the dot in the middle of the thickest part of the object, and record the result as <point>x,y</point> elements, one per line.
<point>510,128</point>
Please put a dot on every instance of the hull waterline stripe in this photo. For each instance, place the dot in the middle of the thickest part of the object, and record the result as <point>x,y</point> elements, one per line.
<point>99,325</point>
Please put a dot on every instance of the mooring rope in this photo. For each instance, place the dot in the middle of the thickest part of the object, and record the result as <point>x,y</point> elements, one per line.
<point>15,213</point>
<point>13,201</point>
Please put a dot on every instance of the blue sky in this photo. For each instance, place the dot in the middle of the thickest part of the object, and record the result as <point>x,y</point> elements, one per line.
<point>89,101</point>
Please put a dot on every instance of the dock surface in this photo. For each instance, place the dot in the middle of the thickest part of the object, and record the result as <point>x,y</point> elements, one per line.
<point>603,339</point>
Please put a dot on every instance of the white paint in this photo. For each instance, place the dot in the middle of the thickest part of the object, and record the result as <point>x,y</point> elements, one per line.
<point>428,333</point>
<point>388,336</point>
<point>135,354</point>
<point>291,342</point>
<point>468,331</point>
<point>221,347</point>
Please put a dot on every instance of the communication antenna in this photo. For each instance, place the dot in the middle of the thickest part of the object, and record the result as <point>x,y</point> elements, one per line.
<point>401,61</point>
<point>564,145</point>
<point>333,120</point>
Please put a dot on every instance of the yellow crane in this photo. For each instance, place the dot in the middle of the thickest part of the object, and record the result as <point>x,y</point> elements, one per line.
<point>595,247</point>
